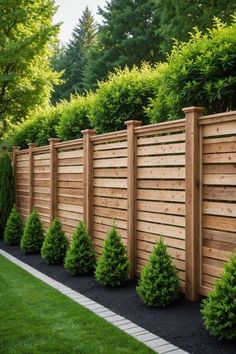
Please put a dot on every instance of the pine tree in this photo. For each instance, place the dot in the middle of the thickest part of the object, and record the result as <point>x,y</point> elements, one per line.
<point>159,283</point>
<point>33,235</point>
<point>6,189</point>
<point>55,244</point>
<point>72,59</point>
<point>121,41</point>
<point>27,36</point>
<point>113,265</point>
<point>14,229</point>
<point>219,309</point>
<point>80,257</point>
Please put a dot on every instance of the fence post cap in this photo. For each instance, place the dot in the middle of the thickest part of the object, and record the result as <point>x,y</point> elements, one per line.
<point>193,109</point>
<point>31,144</point>
<point>88,131</point>
<point>135,123</point>
<point>54,140</point>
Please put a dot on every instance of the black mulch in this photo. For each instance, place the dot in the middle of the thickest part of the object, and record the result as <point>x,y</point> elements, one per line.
<point>180,324</point>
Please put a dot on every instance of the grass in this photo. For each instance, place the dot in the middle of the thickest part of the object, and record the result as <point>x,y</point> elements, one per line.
<point>37,319</point>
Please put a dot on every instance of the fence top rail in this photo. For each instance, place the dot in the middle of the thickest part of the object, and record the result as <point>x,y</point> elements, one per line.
<point>217,118</point>
<point>120,135</point>
<point>44,148</point>
<point>69,143</point>
<point>159,128</point>
<point>21,152</point>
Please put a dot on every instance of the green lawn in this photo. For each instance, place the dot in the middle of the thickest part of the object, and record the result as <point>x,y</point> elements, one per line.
<point>36,319</point>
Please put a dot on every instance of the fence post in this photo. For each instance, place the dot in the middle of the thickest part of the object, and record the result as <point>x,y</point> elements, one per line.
<point>88,179</point>
<point>131,193</point>
<point>14,163</point>
<point>53,177</point>
<point>31,177</point>
<point>192,206</point>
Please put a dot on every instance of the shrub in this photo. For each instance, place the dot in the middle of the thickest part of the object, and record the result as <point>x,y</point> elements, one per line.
<point>80,257</point>
<point>122,97</point>
<point>6,189</point>
<point>113,266</point>
<point>14,229</point>
<point>74,118</point>
<point>201,72</point>
<point>33,234</point>
<point>159,283</point>
<point>219,309</point>
<point>55,244</point>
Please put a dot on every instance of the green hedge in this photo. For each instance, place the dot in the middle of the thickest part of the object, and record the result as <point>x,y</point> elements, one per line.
<point>201,72</point>
<point>124,96</point>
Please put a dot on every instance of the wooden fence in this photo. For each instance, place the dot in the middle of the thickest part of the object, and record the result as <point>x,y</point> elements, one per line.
<point>175,179</point>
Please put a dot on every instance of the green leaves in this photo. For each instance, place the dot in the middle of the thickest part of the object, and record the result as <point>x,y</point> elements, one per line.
<point>159,283</point>
<point>219,309</point>
<point>113,265</point>
<point>55,244</point>
<point>80,257</point>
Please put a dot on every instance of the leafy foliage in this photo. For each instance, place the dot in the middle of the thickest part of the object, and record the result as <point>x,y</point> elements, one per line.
<point>33,234</point>
<point>55,244</point>
<point>80,257</point>
<point>113,265</point>
<point>27,38</point>
<point>74,118</point>
<point>219,309</point>
<point>124,96</point>
<point>159,283</point>
<point>14,228</point>
<point>6,189</point>
<point>72,58</point>
<point>201,72</point>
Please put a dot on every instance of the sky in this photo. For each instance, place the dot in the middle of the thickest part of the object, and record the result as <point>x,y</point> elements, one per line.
<point>70,11</point>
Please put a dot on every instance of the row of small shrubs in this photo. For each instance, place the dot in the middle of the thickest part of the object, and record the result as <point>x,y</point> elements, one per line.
<point>158,285</point>
<point>201,72</point>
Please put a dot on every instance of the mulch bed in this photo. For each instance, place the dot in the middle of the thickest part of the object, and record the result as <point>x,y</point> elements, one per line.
<point>180,324</point>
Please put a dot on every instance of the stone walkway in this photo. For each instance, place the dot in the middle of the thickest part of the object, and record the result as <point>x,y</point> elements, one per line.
<point>158,344</point>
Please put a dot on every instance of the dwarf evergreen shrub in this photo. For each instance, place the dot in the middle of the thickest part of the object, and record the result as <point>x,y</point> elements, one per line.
<point>33,235</point>
<point>219,309</point>
<point>80,257</point>
<point>113,265</point>
<point>55,244</point>
<point>14,229</point>
<point>159,283</point>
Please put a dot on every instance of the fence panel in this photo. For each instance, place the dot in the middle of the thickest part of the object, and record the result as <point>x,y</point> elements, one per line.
<point>161,195</point>
<point>22,182</point>
<point>218,198</point>
<point>109,189</point>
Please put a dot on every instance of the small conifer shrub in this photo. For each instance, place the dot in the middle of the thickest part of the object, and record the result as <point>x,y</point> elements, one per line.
<point>80,257</point>
<point>159,283</point>
<point>33,235</point>
<point>113,265</point>
<point>55,244</point>
<point>14,228</point>
<point>219,308</point>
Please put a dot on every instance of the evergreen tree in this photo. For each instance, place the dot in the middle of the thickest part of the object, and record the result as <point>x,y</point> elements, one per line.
<point>6,188</point>
<point>26,36</point>
<point>33,235</point>
<point>178,17</point>
<point>80,257</point>
<point>159,283</point>
<point>127,37</point>
<point>219,309</point>
<point>72,59</point>
<point>113,265</point>
<point>55,244</point>
<point>14,229</point>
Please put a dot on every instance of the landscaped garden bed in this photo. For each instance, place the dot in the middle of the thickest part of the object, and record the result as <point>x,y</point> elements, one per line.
<point>181,323</point>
